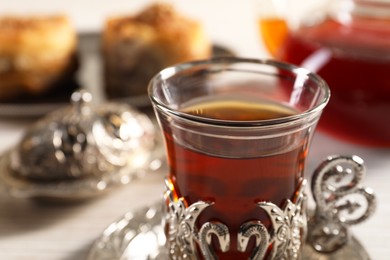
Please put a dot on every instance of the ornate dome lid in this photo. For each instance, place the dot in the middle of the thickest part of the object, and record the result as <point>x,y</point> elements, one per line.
<point>81,150</point>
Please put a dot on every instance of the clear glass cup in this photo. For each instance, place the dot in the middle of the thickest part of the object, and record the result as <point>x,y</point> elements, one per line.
<point>237,133</point>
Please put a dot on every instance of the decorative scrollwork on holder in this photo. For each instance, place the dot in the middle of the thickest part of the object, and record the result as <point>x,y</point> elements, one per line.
<point>260,232</point>
<point>288,224</point>
<point>340,202</point>
<point>218,229</point>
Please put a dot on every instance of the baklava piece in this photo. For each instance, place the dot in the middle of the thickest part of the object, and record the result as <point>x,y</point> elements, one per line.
<point>136,47</point>
<point>36,55</point>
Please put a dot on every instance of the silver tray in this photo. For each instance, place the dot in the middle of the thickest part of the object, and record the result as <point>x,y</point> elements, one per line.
<point>140,235</point>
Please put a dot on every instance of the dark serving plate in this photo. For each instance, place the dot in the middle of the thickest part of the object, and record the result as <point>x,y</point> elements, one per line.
<point>89,76</point>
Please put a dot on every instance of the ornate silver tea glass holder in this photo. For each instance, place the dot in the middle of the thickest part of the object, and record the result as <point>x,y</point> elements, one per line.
<point>341,201</point>
<point>287,224</point>
<point>81,150</point>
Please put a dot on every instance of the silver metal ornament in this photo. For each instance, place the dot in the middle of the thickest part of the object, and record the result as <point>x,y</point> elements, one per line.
<point>285,236</point>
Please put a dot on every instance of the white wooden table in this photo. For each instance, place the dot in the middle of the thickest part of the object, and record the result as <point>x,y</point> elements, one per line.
<point>42,231</point>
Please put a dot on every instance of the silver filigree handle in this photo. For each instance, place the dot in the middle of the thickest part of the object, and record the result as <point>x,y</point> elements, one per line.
<point>340,202</point>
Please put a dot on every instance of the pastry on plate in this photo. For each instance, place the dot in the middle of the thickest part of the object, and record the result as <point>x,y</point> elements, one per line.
<point>36,54</point>
<point>136,47</point>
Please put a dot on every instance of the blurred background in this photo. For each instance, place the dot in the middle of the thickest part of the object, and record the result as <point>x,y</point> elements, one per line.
<point>232,24</point>
<point>89,15</point>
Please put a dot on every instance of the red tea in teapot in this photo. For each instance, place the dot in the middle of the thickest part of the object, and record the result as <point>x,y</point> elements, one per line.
<point>354,59</point>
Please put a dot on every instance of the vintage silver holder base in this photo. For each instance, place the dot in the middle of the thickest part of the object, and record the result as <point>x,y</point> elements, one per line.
<point>340,202</point>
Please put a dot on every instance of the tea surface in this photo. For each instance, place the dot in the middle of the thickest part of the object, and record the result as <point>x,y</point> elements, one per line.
<point>239,110</point>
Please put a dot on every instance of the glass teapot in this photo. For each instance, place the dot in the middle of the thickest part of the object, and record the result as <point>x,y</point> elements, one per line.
<point>347,42</point>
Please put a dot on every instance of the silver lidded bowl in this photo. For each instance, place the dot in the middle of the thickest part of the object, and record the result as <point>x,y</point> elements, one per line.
<point>81,150</point>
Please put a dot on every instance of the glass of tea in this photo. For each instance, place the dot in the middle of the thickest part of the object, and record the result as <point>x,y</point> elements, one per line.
<point>237,133</point>
<point>347,43</point>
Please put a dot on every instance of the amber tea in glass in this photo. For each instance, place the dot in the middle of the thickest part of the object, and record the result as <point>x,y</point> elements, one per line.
<point>237,133</point>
